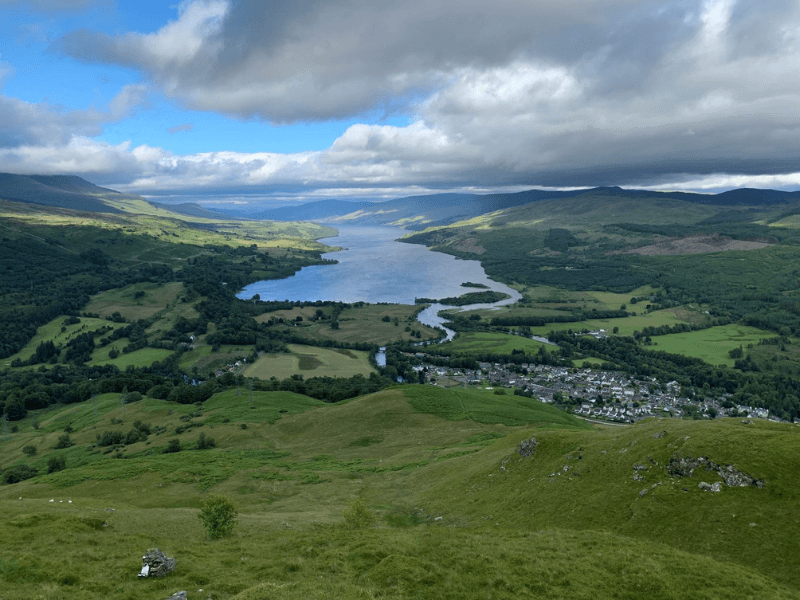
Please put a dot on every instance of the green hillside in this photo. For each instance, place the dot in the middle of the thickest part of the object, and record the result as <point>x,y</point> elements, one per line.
<point>450,508</point>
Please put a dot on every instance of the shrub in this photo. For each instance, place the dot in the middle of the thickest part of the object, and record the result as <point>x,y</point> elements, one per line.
<point>64,441</point>
<point>218,515</point>
<point>204,443</point>
<point>19,473</point>
<point>358,516</point>
<point>29,450</point>
<point>56,463</point>
<point>173,446</point>
<point>110,438</point>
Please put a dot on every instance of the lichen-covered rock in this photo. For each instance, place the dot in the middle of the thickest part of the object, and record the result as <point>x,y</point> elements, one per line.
<point>710,487</point>
<point>156,564</point>
<point>660,434</point>
<point>733,477</point>
<point>527,447</point>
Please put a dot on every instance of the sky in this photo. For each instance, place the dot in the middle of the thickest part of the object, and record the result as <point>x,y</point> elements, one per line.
<point>248,101</point>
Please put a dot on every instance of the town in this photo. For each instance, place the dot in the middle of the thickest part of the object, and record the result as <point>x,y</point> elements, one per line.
<point>605,395</point>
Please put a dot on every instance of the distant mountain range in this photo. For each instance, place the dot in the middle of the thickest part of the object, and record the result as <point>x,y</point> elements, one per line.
<point>413,212</point>
<point>419,212</point>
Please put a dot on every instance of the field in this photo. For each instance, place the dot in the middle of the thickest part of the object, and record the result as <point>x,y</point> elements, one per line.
<point>357,324</point>
<point>450,509</point>
<point>713,344</point>
<point>479,342</point>
<point>137,301</point>
<point>311,361</point>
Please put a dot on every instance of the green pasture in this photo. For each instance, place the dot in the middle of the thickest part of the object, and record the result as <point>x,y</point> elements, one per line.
<point>311,361</point>
<point>204,359</point>
<point>627,325</point>
<point>357,324</point>
<point>481,342</point>
<point>144,357</point>
<point>124,301</point>
<point>713,344</point>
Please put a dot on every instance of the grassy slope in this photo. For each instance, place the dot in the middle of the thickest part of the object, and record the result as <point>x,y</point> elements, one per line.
<point>311,362</point>
<point>503,533</point>
<point>357,324</point>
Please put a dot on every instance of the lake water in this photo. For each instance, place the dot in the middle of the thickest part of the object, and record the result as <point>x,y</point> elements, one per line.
<point>373,268</point>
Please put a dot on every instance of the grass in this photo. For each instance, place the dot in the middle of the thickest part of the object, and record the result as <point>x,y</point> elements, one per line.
<point>156,297</point>
<point>481,406</point>
<point>59,333</point>
<point>713,344</point>
<point>358,324</point>
<point>479,342</point>
<point>138,358</point>
<point>458,512</point>
<point>311,362</point>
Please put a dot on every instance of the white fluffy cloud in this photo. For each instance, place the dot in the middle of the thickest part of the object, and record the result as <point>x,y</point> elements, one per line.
<point>685,93</point>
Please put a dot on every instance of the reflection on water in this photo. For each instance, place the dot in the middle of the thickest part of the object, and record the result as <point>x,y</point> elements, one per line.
<point>375,268</point>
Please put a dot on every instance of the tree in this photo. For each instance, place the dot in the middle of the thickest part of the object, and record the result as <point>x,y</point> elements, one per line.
<point>173,446</point>
<point>56,463</point>
<point>64,441</point>
<point>19,473</point>
<point>204,443</point>
<point>218,515</point>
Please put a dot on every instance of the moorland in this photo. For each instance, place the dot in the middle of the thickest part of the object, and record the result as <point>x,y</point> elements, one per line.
<point>134,384</point>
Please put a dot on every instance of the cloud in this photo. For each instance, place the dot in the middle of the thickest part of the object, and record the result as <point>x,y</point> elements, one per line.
<point>180,128</point>
<point>46,125</point>
<point>551,93</point>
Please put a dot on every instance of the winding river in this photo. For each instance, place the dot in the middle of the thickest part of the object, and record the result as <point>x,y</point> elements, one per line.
<point>373,267</point>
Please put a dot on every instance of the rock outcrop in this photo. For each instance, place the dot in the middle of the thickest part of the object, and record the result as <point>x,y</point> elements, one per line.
<point>156,564</point>
<point>685,467</point>
<point>527,447</point>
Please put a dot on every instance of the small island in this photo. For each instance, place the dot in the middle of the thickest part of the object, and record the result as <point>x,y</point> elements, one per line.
<point>470,284</point>
<point>487,297</point>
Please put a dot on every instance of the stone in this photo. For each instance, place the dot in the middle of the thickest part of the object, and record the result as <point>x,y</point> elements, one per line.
<point>715,487</point>
<point>660,434</point>
<point>746,422</point>
<point>156,564</point>
<point>178,596</point>
<point>643,492</point>
<point>527,448</point>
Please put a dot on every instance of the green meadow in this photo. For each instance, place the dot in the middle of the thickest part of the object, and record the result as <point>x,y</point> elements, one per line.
<point>311,361</point>
<point>450,508</point>
<point>712,344</point>
<point>484,342</point>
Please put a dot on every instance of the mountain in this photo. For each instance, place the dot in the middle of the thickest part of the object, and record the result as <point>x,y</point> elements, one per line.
<point>64,191</point>
<point>438,210</point>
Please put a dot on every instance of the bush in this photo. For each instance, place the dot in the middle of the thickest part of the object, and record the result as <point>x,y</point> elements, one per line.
<point>358,516</point>
<point>19,473</point>
<point>29,450</point>
<point>218,515</point>
<point>110,438</point>
<point>173,446</point>
<point>204,443</point>
<point>64,441</point>
<point>56,463</point>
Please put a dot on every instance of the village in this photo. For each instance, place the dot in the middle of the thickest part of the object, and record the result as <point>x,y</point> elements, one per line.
<point>589,393</point>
